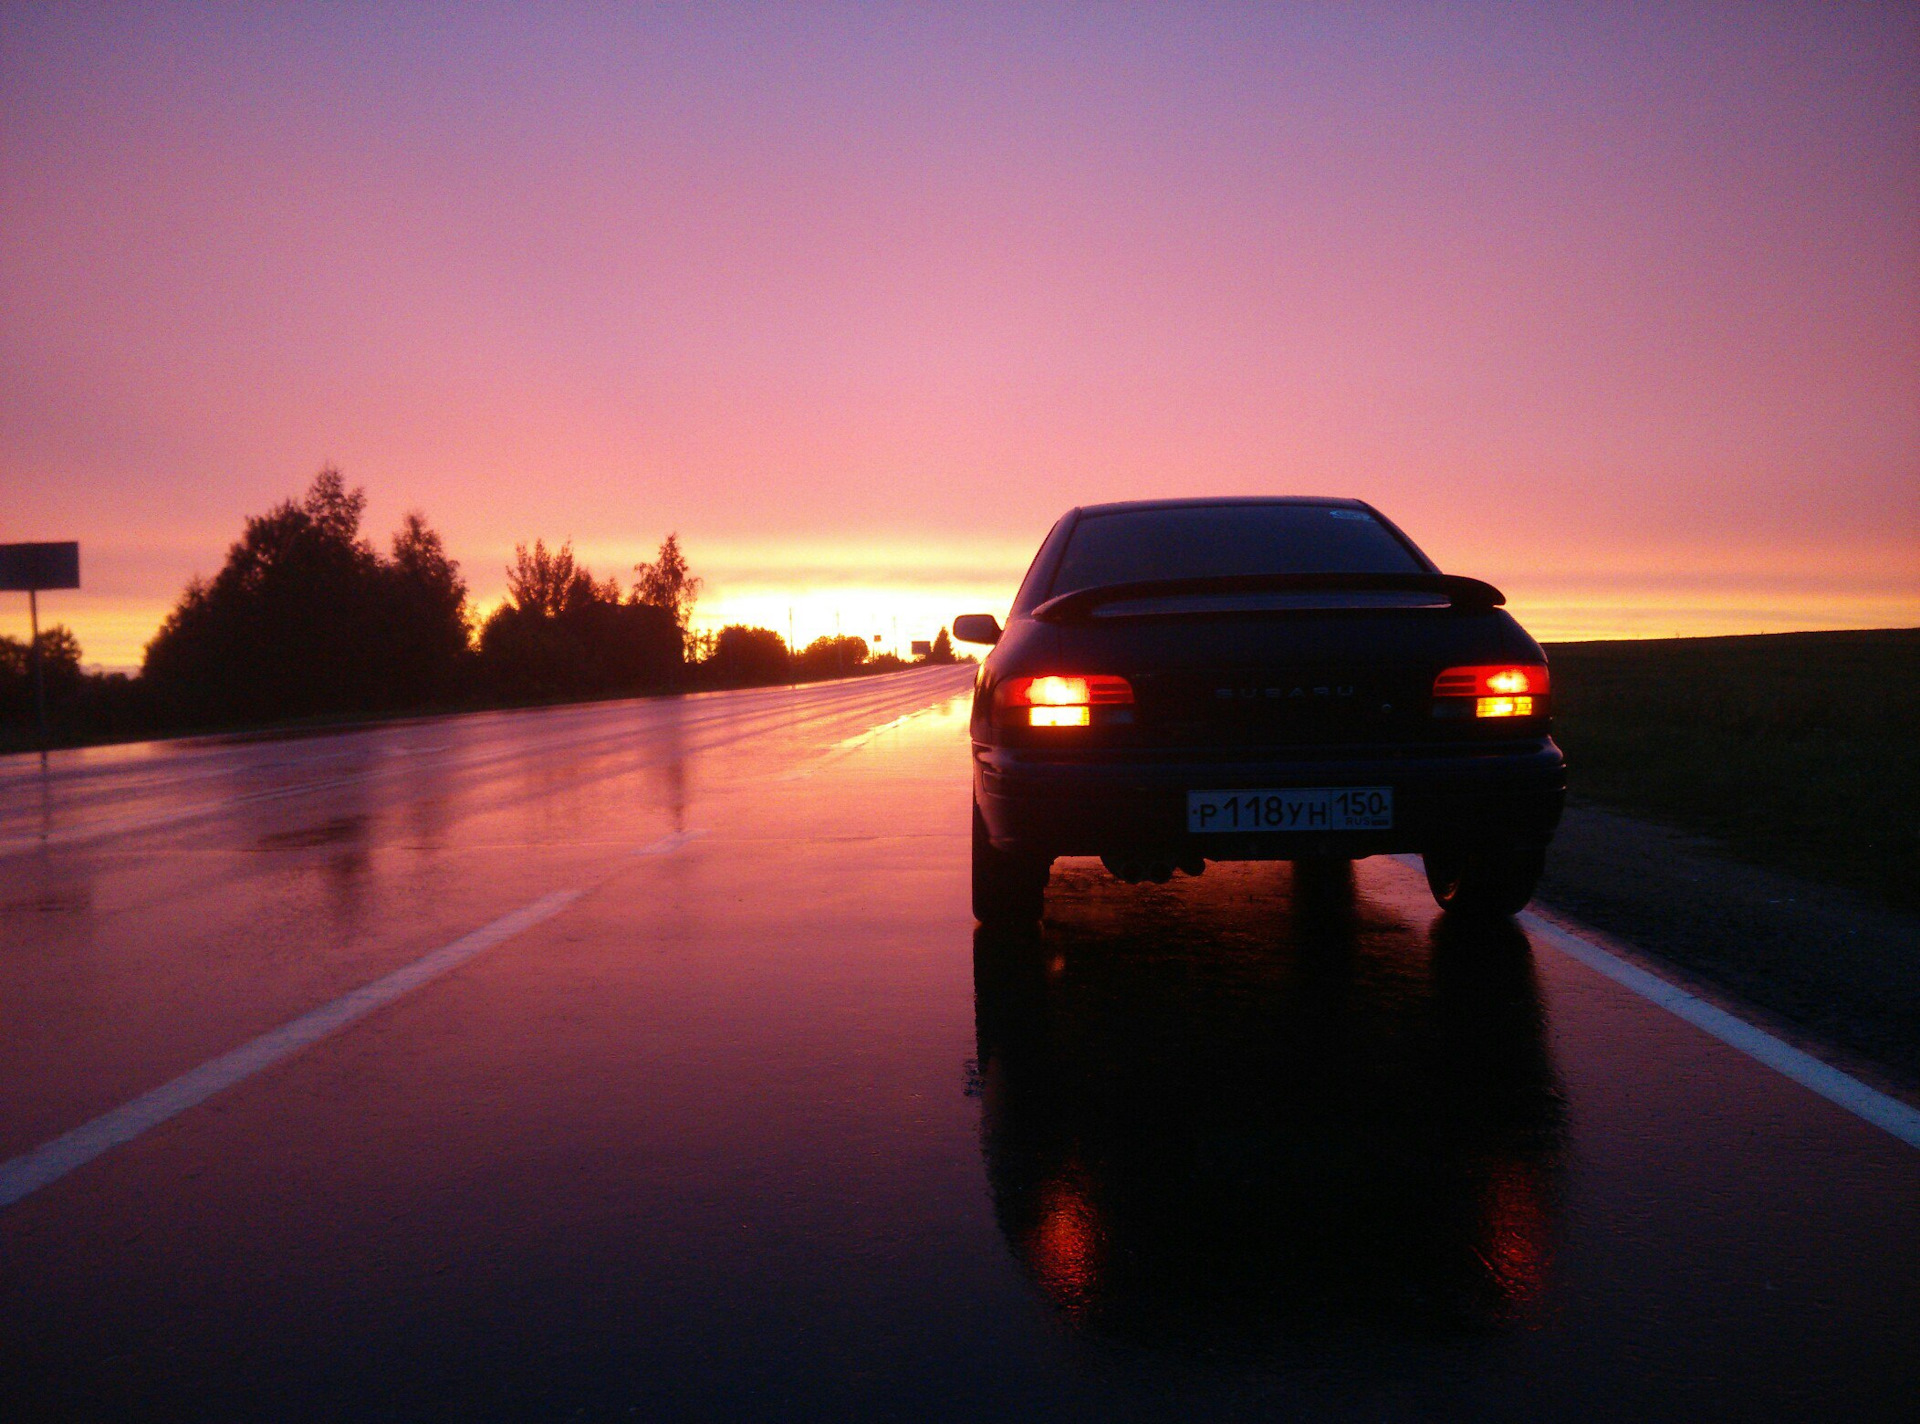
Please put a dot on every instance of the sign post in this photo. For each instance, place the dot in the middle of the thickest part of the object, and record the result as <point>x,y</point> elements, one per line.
<point>28,568</point>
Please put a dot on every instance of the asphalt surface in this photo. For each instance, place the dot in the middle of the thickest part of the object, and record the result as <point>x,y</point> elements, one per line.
<point>642,1060</point>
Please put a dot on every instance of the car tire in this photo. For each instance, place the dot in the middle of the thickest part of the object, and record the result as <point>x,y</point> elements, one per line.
<point>1007,889</point>
<point>1485,882</point>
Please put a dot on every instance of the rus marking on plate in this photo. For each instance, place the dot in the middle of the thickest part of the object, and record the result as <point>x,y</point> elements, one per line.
<point>1307,808</point>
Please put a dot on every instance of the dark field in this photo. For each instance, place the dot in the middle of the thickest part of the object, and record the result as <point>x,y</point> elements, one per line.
<point>1799,751</point>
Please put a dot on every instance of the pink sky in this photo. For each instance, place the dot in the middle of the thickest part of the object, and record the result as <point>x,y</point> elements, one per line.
<point>1617,307</point>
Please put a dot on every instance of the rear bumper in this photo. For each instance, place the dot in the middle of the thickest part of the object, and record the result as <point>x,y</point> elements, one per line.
<point>1478,795</point>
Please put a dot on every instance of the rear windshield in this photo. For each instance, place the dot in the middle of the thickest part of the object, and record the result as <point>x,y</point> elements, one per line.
<point>1209,541</point>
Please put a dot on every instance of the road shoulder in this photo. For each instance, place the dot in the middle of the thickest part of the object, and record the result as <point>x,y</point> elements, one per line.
<point>1842,969</point>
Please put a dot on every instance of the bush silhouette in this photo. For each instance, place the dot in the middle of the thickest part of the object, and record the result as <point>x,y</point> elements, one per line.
<point>81,705</point>
<point>831,656</point>
<point>563,633</point>
<point>747,657</point>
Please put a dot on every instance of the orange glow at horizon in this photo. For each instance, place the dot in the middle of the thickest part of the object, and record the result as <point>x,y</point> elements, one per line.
<point>1620,314</point>
<point>1629,604</point>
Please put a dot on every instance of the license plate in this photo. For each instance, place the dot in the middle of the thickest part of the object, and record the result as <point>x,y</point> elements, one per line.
<point>1303,808</point>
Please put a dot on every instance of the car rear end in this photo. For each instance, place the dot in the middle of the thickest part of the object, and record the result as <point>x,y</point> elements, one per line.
<point>1274,679</point>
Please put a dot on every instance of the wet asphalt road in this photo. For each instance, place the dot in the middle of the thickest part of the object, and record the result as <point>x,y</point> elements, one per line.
<point>743,1119</point>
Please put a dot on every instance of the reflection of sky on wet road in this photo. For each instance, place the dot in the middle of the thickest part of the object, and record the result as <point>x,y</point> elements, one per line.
<point>762,1127</point>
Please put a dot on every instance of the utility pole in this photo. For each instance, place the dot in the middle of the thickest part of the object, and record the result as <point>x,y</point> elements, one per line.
<point>33,658</point>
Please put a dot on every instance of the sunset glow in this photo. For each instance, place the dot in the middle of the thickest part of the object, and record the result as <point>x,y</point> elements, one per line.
<point>1620,315</point>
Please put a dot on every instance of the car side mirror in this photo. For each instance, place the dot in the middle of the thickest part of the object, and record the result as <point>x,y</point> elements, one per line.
<point>977,628</point>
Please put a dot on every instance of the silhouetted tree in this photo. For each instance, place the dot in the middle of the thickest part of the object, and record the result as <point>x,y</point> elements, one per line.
<point>563,633</point>
<point>667,583</point>
<point>59,667</point>
<point>81,705</point>
<point>429,639</point>
<point>942,651</point>
<point>305,617</point>
<point>747,657</point>
<point>548,584</point>
<point>59,656</point>
<point>15,664</point>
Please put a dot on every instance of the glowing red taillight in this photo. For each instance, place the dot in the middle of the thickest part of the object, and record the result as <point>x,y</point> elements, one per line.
<point>1493,690</point>
<point>1060,700</point>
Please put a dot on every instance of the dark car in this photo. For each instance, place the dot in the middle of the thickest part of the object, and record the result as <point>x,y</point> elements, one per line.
<point>1184,681</point>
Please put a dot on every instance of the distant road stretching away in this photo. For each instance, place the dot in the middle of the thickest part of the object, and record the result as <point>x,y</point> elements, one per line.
<point>643,1058</point>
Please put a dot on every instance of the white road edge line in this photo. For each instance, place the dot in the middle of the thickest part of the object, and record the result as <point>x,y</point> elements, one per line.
<point>47,1163</point>
<point>1868,1104</point>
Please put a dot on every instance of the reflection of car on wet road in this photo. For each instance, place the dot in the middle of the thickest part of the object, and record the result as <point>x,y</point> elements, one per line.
<point>1364,1128</point>
<point>1256,679</point>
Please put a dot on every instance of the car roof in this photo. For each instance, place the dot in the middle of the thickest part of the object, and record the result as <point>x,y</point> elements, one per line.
<point>1130,506</point>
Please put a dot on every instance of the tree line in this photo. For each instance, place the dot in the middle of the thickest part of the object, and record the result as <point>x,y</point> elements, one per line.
<point>308,619</point>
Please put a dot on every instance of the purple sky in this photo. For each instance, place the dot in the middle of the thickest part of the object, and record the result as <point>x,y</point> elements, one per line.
<point>1616,306</point>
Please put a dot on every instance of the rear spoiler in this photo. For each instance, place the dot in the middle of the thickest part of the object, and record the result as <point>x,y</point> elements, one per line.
<point>1465,594</point>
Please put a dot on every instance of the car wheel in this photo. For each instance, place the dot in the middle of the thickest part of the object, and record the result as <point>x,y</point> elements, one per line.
<point>1485,882</point>
<point>1007,889</point>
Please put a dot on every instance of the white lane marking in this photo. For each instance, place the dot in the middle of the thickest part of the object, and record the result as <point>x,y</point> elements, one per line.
<point>47,1163</point>
<point>1867,1104</point>
<point>666,845</point>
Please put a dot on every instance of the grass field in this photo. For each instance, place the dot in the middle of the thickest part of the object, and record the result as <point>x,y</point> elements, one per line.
<point>1800,751</point>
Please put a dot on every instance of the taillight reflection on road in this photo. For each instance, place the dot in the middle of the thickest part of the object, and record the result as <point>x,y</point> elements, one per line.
<point>1063,1249</point>
<point>1516,1236</point>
